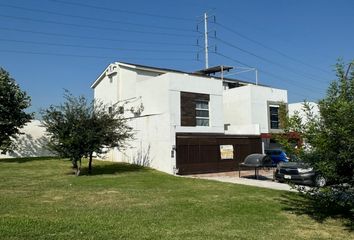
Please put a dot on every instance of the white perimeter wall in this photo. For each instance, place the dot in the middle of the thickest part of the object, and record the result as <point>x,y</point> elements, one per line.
<point>32,143</point>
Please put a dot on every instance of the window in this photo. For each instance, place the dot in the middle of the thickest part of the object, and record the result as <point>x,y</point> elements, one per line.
<point>194,109</point>
<point>110,78</point>
<point>202,112</point>
<point>274,116</point>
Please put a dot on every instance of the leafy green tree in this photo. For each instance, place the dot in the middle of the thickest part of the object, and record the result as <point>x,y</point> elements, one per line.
<point>13,102</point>
<point>65,123</point>
<point>329,138</point>
<point>105,130</point>
<point>80,128</point>
<point>289,138</point>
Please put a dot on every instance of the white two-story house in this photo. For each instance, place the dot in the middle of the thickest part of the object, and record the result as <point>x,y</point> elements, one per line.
<point>191,122</point>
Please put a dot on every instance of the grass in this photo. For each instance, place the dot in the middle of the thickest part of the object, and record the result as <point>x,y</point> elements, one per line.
<point>40,198</point>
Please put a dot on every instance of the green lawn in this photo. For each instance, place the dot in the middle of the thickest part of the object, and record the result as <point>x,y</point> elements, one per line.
<point>42,199</point>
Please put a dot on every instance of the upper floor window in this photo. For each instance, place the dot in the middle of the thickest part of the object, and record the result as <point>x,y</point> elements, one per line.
<point>274,116</point>
<point>202,112</point>
<point>194,109</point>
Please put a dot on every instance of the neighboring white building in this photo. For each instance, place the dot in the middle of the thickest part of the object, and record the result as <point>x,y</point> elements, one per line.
<point>299,109</point>
<point>189,117</point>
<point>31,143</point>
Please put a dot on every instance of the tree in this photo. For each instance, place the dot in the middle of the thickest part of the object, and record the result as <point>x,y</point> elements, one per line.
<point>106,129</point>
<point>329,137</point>
<point>65,123</point>
<point>78,128</point>
<point>291,127</point>
<point>13,102</point>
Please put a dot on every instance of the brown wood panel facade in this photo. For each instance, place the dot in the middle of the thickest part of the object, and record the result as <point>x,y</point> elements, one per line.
<point>200,153</point>
<point>188,112</point>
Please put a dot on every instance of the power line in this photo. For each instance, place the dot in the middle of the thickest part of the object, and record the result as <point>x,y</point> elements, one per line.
<point>121,10</point>
<point>94,38</point>
<point>265,72</point>
<point>89,56</point>
<point>267,31</point>
<point>93,47</point>
<point>94,27</point>
<point>93,19</point>
<point>272,49</point>
<point>269,73</point>
<point>267,60</point>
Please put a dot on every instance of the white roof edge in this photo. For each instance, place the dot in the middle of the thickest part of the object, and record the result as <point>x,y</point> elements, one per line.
<point>127,66</point>
<point>141,67</point>
<point>276,88</point>
<point>97,81</point>
<point>256,86</point>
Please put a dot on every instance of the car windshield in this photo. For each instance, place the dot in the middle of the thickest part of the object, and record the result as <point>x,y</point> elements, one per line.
<point>294,164</point>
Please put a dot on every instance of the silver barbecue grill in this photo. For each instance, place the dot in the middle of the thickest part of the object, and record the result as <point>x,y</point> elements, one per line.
<point>257,161</point>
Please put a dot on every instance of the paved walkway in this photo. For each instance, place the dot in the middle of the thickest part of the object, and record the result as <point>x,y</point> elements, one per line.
<point>265,179</point>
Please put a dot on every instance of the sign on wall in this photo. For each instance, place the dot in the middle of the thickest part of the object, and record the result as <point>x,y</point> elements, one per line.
<point>226,151</point>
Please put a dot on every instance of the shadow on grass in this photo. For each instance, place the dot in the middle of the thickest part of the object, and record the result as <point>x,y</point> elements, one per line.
<point>26,159</point>
<point>113,168</point>
<point>303,205</point>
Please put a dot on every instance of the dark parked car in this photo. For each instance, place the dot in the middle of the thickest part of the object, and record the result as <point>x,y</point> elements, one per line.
<point>299,173</point>
<point>277,156</point>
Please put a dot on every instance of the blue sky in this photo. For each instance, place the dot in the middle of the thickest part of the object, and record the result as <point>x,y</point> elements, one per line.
<point>51,45</point>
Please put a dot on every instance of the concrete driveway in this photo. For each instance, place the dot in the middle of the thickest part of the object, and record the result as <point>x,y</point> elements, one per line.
<point>265,179</point>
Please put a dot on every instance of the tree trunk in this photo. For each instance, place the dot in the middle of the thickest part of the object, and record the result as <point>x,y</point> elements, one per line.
<point>90,164</point>
<point>74,163</point>
<point>78,170</point>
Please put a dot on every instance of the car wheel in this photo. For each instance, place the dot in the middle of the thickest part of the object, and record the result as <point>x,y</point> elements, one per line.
<point>320,181</point>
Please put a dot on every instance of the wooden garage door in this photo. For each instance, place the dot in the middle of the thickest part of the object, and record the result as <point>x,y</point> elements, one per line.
<point>200,153</point>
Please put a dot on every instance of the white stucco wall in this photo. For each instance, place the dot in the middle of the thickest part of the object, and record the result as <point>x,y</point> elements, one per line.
<point>261,97</point>
<point>32,143</point>
<point>188,83</point>
<point>247,129</point>
<point>298,107</point>
<point>237,106</point>
<point>246,108</point>
<point>106,90</point>
<point>152,141</point>
<point>155,129</point>
<point>161,119</point>
<point>118,83</point>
